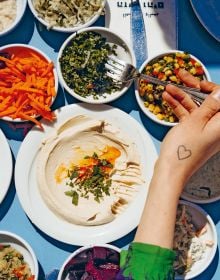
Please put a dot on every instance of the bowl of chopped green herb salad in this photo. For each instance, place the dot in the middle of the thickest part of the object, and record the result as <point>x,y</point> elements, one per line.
<point>81,64</point>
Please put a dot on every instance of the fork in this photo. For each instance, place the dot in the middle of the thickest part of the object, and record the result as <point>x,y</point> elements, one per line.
<point>123,72</point>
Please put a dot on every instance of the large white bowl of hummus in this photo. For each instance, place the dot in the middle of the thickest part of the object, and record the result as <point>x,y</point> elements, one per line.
<point>88,171</point>
<point>43,213</point>
<point>11,12</point>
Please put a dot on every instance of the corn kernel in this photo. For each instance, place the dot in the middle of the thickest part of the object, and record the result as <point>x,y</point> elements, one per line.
<point>157,110</point>
<point>178,54</point>
<point>160,116</point>
<point>173,78</point>
<point>171,119</point>
<point>150,97</point>
<point>192,71</point>
<point>146,103</point>
<point>156,65</point>
<point>168,73</point>
<point>197,64</point>
<point>176,65</point>
<point>149,87</point>
<point>151,107</point>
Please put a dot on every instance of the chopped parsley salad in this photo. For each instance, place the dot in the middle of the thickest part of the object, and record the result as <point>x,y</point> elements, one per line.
<point>83,65</point>
<point>166,68</point>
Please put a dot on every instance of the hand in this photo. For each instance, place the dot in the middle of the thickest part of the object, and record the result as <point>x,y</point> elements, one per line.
<point>196,138</point>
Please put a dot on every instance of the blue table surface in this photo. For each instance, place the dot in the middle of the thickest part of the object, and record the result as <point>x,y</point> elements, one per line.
<point>51,253</point>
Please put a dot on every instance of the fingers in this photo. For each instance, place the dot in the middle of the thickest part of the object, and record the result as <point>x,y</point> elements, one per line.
<point>207,86</point>
<point>176,106</point>
<point>183,98</point>
<point>191,81</point>
<point>209,107</point>
<point>188,79</point>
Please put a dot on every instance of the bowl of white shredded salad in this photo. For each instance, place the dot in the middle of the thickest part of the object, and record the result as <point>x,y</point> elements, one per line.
<point>66,16</point>
<point>195,241</point>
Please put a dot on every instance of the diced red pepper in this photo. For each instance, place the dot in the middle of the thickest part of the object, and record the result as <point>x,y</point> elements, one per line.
<point>180,61</point>
<point>155,72</point>
<point>199,70</point>
<point>193,61</point>
<point>161,75</point>
<point>176,71</point>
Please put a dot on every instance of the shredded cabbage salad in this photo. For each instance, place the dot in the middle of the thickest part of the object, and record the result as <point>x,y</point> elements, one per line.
<point>67,13</point>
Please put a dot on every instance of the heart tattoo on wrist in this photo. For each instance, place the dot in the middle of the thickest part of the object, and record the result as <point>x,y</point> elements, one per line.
<point>183,152</point>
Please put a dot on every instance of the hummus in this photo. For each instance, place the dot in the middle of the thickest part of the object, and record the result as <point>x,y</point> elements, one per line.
<point>8,12</point>
<point>88,171</point>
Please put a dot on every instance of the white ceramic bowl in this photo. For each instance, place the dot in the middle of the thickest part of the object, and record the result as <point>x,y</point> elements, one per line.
<point>200,218</point>
<point>21,7</point>
<point>23,247</point>
<point>204,186</point>
<point>140,100</point>
<point>9,48</point>
<point>65,29</point>
<point>80,250</point>
<point>124,52</point>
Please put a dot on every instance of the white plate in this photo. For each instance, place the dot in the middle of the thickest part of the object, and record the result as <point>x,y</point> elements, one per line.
<point>43,217</point>
<point>5,166</point>
<point>208,14</point>
<point>200,218</point>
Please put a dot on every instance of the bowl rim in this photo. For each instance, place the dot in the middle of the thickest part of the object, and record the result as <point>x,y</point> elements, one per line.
<point>28,247</point>
<point>56,80</point>
<point>215,239</point>
<point>17,20</point>
<point>192,199</point>
<point>81,249</point>
<point>66,29</point>
<point>139,99</point>
<point>71,91</point>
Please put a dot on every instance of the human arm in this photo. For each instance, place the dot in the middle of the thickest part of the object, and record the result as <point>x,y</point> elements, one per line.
<point>185,148</point>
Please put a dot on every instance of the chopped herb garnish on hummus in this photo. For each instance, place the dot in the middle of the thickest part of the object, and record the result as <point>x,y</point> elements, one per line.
<point>90,179</point>
<point>83,65</point>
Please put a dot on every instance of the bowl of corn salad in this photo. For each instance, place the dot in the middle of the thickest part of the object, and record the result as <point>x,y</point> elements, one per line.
<point>165,67</point>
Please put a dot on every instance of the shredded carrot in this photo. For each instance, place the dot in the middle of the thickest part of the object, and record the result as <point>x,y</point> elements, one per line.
<point>27,87</point>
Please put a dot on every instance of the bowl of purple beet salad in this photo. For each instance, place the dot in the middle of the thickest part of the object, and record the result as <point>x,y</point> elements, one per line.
<point>99,262</point>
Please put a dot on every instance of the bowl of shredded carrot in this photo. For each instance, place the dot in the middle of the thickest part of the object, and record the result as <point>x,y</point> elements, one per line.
<point>28,84</point>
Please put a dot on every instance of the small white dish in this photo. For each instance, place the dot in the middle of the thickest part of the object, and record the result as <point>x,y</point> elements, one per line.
<point>204,186</point>
<point>9,238</point>
<point>140,100</point>
<point>200,219</point>
<point>80,250</point>
<point>9,48</point>
<point>66,29</point>
<point>5,166</point>
<point>21,7</point>
<point>124,52</point>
